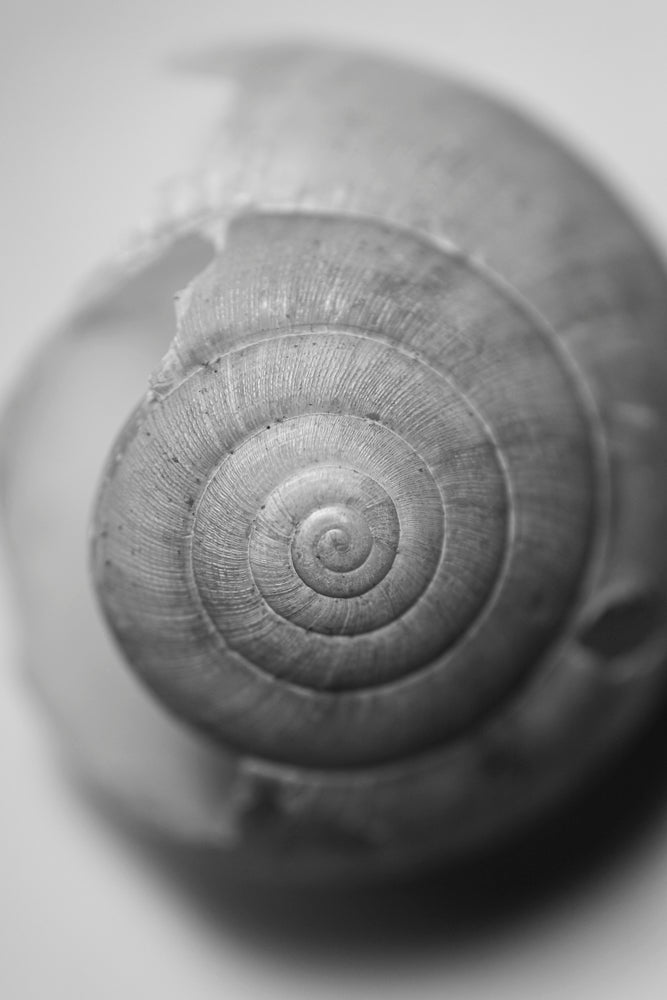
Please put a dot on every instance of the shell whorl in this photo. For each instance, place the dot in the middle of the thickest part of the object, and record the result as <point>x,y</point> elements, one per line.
<point>371,524</point>
<point>326,518</point>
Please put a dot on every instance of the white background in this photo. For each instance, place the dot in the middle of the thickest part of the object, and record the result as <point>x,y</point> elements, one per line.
<point>89,124</point>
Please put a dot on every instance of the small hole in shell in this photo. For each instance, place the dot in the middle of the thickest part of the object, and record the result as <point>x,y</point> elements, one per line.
<point>622,624</point>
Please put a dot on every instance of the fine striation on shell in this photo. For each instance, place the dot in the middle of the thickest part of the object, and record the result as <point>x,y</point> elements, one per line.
<point>382,527</point>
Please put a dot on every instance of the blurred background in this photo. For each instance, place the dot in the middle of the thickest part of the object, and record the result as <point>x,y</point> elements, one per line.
<point>92,122</point>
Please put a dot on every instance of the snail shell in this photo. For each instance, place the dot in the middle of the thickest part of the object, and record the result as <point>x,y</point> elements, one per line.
<point>386,525</point>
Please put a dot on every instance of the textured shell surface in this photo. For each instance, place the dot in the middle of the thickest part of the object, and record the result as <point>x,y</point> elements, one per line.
<point>383,528</point>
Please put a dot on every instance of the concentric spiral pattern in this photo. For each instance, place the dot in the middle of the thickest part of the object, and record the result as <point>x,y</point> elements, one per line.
<point>359,513</point>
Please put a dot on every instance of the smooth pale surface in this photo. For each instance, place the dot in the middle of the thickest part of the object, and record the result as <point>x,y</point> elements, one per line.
<point>89,126</point>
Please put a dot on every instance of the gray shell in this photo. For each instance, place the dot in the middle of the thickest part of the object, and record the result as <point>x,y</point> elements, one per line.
<point>386,526</point>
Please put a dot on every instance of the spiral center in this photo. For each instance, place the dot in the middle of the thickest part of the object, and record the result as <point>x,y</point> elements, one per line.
<point>323,537</point>
<point>337,538</point>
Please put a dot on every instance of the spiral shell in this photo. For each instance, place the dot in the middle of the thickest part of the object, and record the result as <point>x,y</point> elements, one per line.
<point>384,525</point>
<point>381,455</point>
